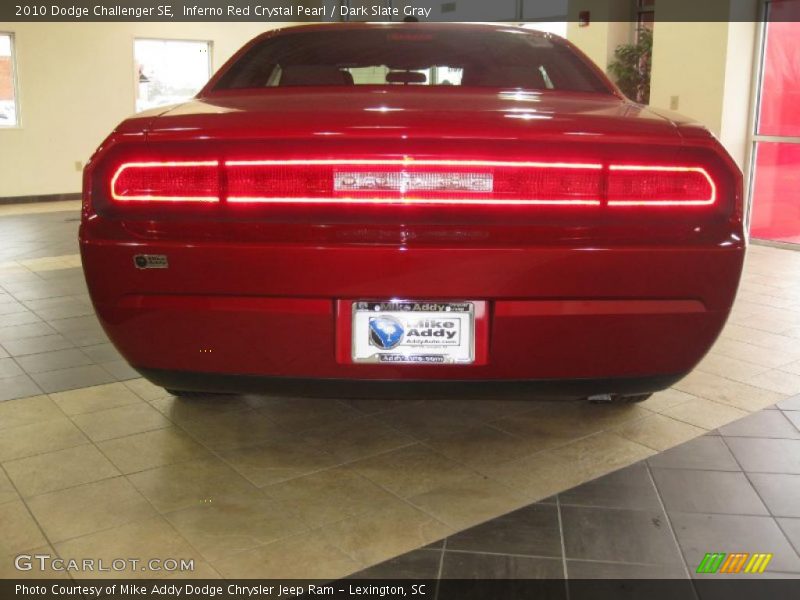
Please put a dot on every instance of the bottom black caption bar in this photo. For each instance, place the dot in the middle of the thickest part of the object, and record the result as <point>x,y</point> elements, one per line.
<point>374,589</point>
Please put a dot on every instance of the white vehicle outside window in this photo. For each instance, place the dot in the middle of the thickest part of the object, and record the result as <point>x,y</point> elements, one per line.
<point>169,71</point>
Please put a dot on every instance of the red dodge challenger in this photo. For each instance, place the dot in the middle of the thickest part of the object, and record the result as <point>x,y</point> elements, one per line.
<point>412,203</point>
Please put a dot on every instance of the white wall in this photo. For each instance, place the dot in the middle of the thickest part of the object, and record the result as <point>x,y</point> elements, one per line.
<point>737,97</point>
<point>609,27</point>
<point>76,82</point>
<point>689,63</point>
<point>708,69</point>
<point>704,67</point>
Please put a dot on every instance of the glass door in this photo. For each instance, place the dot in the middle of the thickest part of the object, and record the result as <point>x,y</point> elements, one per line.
<point>775,183</point>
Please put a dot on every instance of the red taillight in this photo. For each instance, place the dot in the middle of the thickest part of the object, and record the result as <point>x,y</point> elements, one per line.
<point>411,182</point>
<point>630,185</point>
<point>171,181</point>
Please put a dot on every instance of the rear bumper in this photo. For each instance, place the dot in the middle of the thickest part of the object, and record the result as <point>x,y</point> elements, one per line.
<point>228,315</point>
<point>361,388</point>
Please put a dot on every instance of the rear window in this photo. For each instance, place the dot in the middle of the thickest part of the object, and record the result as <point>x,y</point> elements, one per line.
<point>414,57</point>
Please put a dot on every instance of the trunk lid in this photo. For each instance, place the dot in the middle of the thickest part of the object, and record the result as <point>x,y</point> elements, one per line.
<point>413,113</point>
<point>457,126</point>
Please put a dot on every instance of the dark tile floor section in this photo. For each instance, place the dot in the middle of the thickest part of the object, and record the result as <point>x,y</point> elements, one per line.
<point>733,490</point>
<point>50,340</point>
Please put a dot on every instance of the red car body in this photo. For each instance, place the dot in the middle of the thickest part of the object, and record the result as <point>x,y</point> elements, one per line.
<point>605,292</point>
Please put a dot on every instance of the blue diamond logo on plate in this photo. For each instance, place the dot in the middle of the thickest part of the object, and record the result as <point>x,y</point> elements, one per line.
<point>385,332</point>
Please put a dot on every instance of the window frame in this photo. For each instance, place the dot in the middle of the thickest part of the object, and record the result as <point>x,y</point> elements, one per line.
<point>148,38</point>
<point>14,82</point>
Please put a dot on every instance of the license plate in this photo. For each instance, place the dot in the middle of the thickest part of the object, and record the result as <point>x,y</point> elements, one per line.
<point>413,332</point>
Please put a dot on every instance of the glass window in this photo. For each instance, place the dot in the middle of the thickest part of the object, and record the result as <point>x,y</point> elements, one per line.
<point>780,82</point>
<point>440,57</point>
<point>776,193</point>
<point>9,114</point>
<point>170,71</point>
<point>775,184</point>
<point>645,16</point>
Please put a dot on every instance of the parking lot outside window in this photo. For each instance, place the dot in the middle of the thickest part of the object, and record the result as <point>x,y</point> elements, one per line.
<point>9,108</point>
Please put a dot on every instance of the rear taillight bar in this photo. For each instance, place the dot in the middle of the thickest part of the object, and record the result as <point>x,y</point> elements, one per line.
<point>412,182</point>
<point>451,182</point>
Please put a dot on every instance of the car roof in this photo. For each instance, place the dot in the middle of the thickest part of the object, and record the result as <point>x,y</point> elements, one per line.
<point>404,26</point>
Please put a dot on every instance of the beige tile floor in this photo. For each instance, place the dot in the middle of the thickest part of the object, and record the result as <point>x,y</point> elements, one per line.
<point>36,208</point>
<point>255,486</point>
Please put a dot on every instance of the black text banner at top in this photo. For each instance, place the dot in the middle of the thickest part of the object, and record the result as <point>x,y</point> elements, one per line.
<point>585,12</point>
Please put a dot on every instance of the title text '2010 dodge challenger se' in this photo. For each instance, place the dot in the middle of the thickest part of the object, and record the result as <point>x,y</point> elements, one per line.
<point>412,202</point>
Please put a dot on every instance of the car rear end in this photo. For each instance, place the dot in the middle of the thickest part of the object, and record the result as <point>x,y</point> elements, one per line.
<point>447,233</point>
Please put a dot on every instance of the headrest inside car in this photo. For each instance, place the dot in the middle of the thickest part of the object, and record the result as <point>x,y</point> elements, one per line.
<point>314,75</point>
<point>405,77</point>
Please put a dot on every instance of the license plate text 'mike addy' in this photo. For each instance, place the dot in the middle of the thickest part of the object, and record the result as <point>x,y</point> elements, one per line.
<point>420,332</point>
<point>433,332</point>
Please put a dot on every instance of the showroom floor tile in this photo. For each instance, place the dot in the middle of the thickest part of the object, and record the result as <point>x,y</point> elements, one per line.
<point>359,482</point>
<point>654,519</point>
